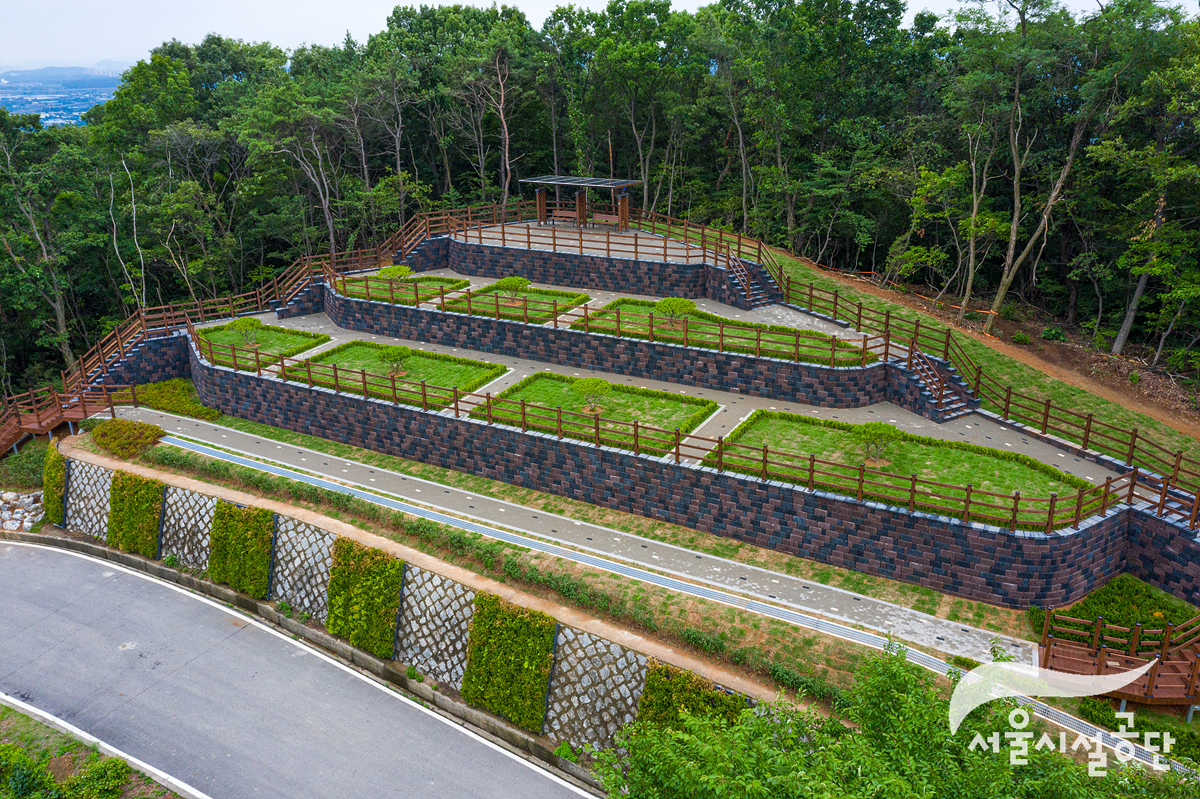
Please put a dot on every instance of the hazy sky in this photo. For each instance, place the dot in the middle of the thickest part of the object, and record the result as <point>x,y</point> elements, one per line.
<point>82,32</point>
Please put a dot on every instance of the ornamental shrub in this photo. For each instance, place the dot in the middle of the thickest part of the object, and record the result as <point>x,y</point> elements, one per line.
<point>54,477</point>
<point>875,437</point>
<point>394,357</point>
<point>512,285</point>
<point>592,389</point>
<point>1053,334</point>
<point>240,553</point>
<point>125,438</point>
<point>364,596</point>
<point>674,307</point>
<point>247,327</point>
<point>176,396</point>
<point>510,650</point>
<point>1098,711</point>
<point>134,511</point>
<point>397,272</point>
<point>1021,338</point>
<point>670,690</point>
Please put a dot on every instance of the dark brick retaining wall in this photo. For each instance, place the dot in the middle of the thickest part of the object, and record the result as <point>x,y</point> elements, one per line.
<point>971,561</point>
<point>151,361</point>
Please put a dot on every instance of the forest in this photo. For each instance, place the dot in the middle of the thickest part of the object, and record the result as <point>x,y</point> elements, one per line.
<point>1007,154</point>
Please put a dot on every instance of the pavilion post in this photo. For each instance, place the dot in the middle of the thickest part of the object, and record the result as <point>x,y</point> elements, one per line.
<point>542,216</point>
<point>581,208</point>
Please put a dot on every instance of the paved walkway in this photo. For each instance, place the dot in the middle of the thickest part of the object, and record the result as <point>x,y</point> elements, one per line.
<point>734,408</point>
<point>222,702</point>
<point>804,595</point>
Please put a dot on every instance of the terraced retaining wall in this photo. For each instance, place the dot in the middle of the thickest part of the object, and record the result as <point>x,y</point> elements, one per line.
<point>968,560</point>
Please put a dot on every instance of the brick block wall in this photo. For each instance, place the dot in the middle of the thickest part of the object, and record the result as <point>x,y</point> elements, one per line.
<point>967,560</point>
<point>150,361</point>
<point>309,300</point>
<point>1164,554</point>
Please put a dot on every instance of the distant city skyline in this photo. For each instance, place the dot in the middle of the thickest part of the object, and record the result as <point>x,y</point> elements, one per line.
<point>78,33</point>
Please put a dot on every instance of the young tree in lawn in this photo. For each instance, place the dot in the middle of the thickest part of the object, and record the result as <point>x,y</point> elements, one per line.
<point>874,437</point>
<point>394,357</point>
<point>592,389</point>
<point>674,307</point>
<point>512,286</point>
<point>247,327</point>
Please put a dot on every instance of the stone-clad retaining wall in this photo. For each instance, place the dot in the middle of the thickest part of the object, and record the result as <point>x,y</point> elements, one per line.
<point>968,560</point>
<point>595,684</point>
<point>807,383</point>
<point>150,361</point>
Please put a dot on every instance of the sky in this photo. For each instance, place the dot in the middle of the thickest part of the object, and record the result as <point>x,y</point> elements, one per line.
<point>36,33</point>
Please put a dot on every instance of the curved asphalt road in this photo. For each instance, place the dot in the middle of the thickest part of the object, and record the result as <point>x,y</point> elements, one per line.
<point>222,702</point>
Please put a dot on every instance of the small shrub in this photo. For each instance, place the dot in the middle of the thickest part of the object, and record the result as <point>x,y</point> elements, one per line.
<point>240,553</point>
<point>88,425</point>
<point>125,438</point>
<point>1098,711</point>
<point>364,596</point>
<point>1021,338</point>
<point>509,654</point>
<point>708,642</point>
<point>397,272</point>
<point>1010,312</point>
<point>170,561</point>
<point>512,286</point>
<point>54,476</point>
<point>1053,334</point>
<point>670,690</point>
<point>874,437</point>
<point>674,307</point>
<point>177,396</point>
<point>394,357</point>
<point>566,751</point>
<point>412,674</point>
<point>247,327</point>
<point>964,663</point>
<point>24,469</point>
<point>1037,619</point>
<point>135,507</point>
<point>284,608</point>
<point>101,779</point>
<point>592,389</point>
<point>809,685</point>
<point>1134,378</point>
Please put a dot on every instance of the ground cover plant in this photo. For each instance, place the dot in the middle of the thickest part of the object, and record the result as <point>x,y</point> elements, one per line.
<point>240,553</point>
<point>427,287</point>
<point>364,596</point>
<point>659,409</point>
<point>436,369</point>
<point>510,650</point>
<point>269,341</point>
<point>1124,601</point>
<point>135,507</point>
<point>125,438</point>
<point>670,692</point>
<point>24,469</point>
<point>511,302</point>
<point>955,463</point>
<point>704,331</point>
<point>177,396</point>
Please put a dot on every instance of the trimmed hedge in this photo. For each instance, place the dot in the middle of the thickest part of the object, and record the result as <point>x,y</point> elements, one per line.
<point>176,396</point>
<point>706,407</point>
<point>670,690</point>
<point>241,548</point>
<point>135,507</point>
<point>54,478</point>
<point>510,651</point>
<point>125,438</point>
<point>364,596</point>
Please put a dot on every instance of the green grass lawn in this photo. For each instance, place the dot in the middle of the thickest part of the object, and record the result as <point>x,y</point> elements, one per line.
<point>658,409</point>
<point>705,330</point>
<point>1009,371</point>
<point>437,370</point>
<point>271,344</point>
<point>951,463</point>
<point>427,288</point>
<point>540,309</point>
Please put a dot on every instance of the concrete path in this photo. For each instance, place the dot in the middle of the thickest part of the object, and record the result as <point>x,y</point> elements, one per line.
<point>734,408</point>
<point>222,702</point>
<point>804,595</point>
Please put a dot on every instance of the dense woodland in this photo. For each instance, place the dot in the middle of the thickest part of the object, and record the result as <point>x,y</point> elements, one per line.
<point>1013,153</point>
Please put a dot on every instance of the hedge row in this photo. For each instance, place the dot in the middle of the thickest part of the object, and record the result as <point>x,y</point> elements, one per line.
<point>510,651</point>
<point>240,552</point>
<point>54,479</point>
<point>125,438</point>
<point>670,690</point>
<point>135,508</point>
<point>364,597</point>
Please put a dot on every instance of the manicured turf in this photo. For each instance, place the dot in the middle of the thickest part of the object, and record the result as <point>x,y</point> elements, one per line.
<point>439,372</point>
<point>541,303</point>
<point>427,287</point>
<point>658,409</point>
<point>271,341</point>
<point>711,331</point>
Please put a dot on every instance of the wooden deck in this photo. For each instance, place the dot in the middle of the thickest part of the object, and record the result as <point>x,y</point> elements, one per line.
<point>602,240</point>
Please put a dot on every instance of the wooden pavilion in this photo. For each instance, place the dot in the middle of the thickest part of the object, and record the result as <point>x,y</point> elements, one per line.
<point>616,213</point>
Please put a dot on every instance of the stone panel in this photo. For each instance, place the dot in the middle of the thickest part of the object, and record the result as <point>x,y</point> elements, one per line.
<point>303,558</point>
<point>595,689</point>
<point>187,525</point>
<point>88,493</point>
<point>434,620</point>
<point>150,361</point>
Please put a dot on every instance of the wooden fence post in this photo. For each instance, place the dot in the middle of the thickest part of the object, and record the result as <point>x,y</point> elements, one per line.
<point>1087,431</point>
<point>678,438</point>
<point>1050,514</point>
<point>1162,497</point>
<point>812,471</point>
<point>720,453</point>
<point>488,401</point>
<point>1096,631</point>
<point>1104,498</point>
<point>637,449</point>
<point>1134,639</point>
<point>1007,401</point>
<point>912,493</point>
<point>1132,444</point>
<point>1133,478</point>
<point>764,463</point>
<point>424,396</point>
<point>862,473</point>
<point>1046,416</point>
<point>966,504</point>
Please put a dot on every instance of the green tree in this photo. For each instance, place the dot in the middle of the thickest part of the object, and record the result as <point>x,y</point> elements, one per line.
<point>592,389</point>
